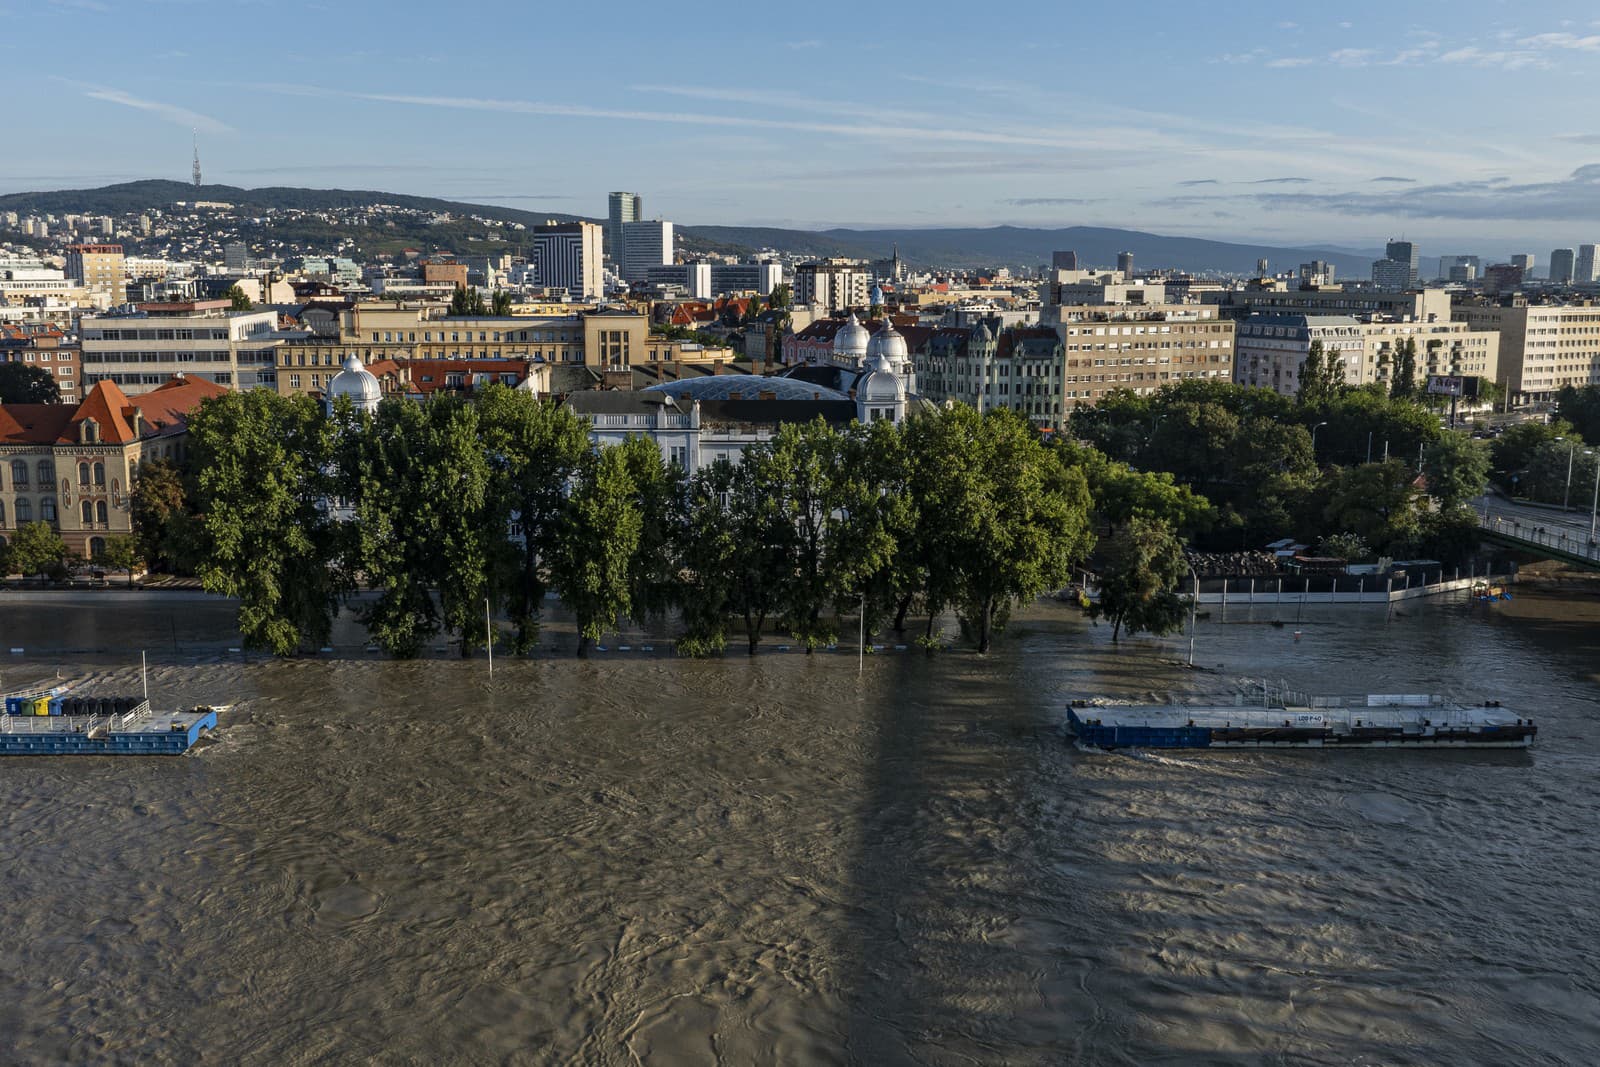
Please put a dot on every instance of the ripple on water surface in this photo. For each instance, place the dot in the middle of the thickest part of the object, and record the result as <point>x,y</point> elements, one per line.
<point>772,860</point>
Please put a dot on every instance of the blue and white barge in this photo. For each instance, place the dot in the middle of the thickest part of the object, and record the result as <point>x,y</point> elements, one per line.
<point>45,721</point>
<point>1286,719</point>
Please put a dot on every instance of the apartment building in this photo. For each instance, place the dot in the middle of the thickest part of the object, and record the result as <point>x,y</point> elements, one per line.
<point>1447,348</point>
<point>99,269</point>
<point>44,345</point>
<point>1139,347</point>
<point>1023,369</point>
<point>1271,350</point>
<point>836,284</point>
<point>1542,347</point>
<point>142,349</point>
<point>1422,305</point>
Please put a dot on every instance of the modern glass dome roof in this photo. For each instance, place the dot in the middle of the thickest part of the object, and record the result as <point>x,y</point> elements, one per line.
<point>748,386</point>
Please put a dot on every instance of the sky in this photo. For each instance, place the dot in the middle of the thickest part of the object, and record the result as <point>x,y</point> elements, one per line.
<point>1464,125</point>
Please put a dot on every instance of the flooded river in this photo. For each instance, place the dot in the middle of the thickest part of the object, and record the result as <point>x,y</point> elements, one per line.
<point>639,859</point>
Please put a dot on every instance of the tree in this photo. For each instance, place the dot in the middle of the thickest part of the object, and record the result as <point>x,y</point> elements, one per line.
<point>1512,453</point>
<point>263,481</point>
<point>500,304</point>
<point>36,548</point>
<point>237,299</point>
<point>763,539</point>
<point>534,449</point>
<point>163,527</point>
<point>818,480</point>
<point>1029,525</point>
<point>1346,546</point>
<point>25,383</point>
<point>595,545</point>
<point>1457,469</point>
<point>1581,408</point>
<point>1314,388</point>
<point>781,296</point>
<point>1403,384</point>
<point>120,553</point>
<point>658,493</point>
<point>706,552</point>
<point>1378,502</point>
<point>466,301</point>
<point>1139,574</point>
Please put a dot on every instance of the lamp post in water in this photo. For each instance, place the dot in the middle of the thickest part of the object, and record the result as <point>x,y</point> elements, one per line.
<point>1194,606</point>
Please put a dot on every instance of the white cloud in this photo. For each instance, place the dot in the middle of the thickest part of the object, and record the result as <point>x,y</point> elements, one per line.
<point>1286,62</point>
<point>1569,41</point>
<point>180,116</point>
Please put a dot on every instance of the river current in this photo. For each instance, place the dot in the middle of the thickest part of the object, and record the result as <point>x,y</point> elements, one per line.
<point>640,859</point>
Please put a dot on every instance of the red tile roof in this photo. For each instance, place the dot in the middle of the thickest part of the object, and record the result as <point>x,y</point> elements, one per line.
<point>165,410</point>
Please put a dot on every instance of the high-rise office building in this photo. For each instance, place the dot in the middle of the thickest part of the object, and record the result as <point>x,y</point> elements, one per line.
<point>1125,263</point>
<point>1524,261</point>
<point>567,255</point>
<point>1064,260</point>
<point>625,208</point>
<point>645,244</point>
<point>1563,261</point>
<point>1398,268</point>
<point>1584,273</point>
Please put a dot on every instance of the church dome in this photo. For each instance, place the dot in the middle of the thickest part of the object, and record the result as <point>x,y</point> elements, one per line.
<point>892,344</point>
<point>851,340</point>
<point>357,383</point>
<point>880,384</point>
<point>876,296</point>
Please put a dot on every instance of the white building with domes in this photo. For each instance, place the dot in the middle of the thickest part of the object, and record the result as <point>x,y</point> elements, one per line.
<point>875,367</point>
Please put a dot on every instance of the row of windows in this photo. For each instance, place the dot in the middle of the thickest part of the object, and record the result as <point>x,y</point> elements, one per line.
<point>157,335</point>
<point>89,512</point>
<point>156,357</point>
<point>404,337</point>
<point>220,377</point>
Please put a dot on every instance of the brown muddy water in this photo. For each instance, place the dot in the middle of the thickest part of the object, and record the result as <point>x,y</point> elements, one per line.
<point>640,859</point>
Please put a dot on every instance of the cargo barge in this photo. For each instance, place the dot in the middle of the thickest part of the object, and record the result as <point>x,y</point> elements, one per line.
<point>45,721</point>
<point>1286,719</point>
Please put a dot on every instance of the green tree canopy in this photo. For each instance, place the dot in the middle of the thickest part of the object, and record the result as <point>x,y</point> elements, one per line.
<point>25,383</point>
<point>36,548</point>
<point>163,523</point>
<point>1457,469</point>
<point>1141,566</point>
<point>237,299</point>
<point>595,545</point>
<point>263,481</point>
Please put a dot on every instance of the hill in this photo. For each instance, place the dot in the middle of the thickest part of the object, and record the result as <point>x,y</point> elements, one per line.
<point>1008,246</point>
<point>1015,246</point>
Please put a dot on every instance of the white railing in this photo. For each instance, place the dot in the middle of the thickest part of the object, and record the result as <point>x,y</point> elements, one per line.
<point>1573,544</point>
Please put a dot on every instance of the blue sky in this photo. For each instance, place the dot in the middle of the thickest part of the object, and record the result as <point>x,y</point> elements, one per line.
<point>1465,124</point>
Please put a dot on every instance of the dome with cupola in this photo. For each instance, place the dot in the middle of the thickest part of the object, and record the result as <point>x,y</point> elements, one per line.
<point>357,383</point>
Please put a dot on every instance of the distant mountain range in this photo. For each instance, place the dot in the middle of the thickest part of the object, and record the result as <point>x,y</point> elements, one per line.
<point>997,246</point>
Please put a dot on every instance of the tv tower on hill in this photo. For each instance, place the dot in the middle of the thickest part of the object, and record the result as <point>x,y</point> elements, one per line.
<point>196,158</point>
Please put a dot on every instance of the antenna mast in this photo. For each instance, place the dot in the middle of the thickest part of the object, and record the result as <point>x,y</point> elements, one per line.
<point>196,158</point>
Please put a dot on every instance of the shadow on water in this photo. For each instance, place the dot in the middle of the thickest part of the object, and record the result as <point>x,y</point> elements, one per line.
<point>943,939</point>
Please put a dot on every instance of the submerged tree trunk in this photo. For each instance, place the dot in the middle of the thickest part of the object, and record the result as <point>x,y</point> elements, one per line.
<point>583,647</point>
<point>900,615</point>
<point>985,623</point>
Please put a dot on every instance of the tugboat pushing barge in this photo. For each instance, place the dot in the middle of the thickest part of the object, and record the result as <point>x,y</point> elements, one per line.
<point>1288,719</point>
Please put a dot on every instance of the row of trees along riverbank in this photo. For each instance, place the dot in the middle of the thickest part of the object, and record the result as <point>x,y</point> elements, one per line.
<point>439,506</point>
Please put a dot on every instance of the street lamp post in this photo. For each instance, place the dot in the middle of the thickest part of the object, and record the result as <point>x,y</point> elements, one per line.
<point>1566,501</point>
<point>1194,603</point>
<point>1594,508</point>
<point>1314,430</point>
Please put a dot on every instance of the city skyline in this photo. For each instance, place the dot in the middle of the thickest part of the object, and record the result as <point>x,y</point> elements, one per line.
<point>1459,128</point>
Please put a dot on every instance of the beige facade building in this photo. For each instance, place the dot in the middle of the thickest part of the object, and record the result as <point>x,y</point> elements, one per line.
<point>1421,305</point>
<point>1272,349</point>
<point>1139,347</point>
<point>72,466</point>
<point>1542,347</point>
<point>99,269</point>
<point>1447,348</point>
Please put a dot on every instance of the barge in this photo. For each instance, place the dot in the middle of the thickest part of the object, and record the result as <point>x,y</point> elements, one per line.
<point>45,721</point>
<point>1285,719</point>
